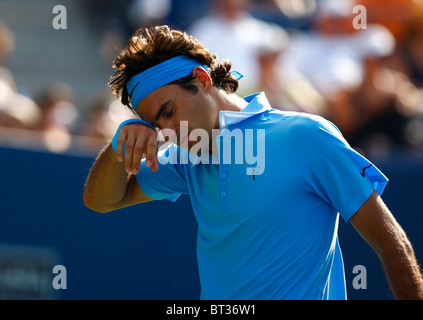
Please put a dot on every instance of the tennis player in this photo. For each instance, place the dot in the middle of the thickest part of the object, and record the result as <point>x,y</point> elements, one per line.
<point>264,232</point>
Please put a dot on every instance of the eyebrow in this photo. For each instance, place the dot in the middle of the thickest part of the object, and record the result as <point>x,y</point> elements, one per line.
<point>162,108</point>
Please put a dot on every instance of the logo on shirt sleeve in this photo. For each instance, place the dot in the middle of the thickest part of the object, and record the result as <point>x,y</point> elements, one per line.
<point>363,174</point>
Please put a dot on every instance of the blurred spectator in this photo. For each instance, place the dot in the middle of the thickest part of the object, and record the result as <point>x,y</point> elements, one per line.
<point>295,9</point>
<point>252,45</point>
<point>16,110</point>
<point>390,100</point>
<point>104,114</point>
<point>393,14</point>
<point>59,115</point>
<point>148,12</point>
<point>368,82</point>
<point>109,19</point>
<point>375,105</point>
<point>109,15</point>
<point>98,124</point>
<point>7,43</point>
<point>386,105</point>
<point>410,48</point>
<point>184,13</point>
<point>287,13</point>
<point>332,58</point>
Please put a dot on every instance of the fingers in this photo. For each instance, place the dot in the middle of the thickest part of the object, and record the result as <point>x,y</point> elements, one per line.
<point>134,141</point>
<point>151,153</point>
<point>137,152</point>
<point>121,144</point>
<point>131,142</point>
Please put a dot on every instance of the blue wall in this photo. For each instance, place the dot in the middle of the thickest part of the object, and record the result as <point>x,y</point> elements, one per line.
<point>142,252</point>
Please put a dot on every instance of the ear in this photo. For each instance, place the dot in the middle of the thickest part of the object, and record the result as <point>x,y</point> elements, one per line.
<point>203,77</point>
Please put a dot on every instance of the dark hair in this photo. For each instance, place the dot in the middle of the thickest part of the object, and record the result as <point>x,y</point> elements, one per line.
<point>151,46</point>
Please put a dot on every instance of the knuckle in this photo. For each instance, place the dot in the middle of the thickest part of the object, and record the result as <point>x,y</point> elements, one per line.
<point>152,140</point>
<point>138,148</point>
<point>129,147</point>
<point>151,144</point>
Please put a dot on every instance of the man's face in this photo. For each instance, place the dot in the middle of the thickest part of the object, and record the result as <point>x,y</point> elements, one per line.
<point>167,106</point>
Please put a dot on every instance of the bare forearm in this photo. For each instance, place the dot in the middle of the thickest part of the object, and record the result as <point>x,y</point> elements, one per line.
<point>107,182</point>
<point>111,183</point>
<point>379,228</point>
<point>402,270</point>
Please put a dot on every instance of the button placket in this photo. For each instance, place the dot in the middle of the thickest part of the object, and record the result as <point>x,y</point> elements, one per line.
<point>223,187</point>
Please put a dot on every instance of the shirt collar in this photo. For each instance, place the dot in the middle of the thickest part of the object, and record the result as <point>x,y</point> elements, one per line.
<point>257,103</point>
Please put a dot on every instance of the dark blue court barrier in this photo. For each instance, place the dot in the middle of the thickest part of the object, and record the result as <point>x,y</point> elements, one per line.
<point>142,252</point>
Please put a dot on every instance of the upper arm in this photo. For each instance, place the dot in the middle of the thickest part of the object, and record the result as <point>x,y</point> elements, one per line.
<point>336,172</point>
<point>376,224</point>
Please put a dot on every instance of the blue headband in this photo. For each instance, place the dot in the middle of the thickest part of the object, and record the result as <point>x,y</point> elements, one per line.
<point>158,76</point>
<point>144,83</point>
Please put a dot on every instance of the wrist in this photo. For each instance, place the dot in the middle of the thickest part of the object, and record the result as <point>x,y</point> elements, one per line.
<point>129,121</point>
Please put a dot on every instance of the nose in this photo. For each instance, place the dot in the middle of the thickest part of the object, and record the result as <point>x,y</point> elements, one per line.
<point>169,129</point>
<point>166,124</point>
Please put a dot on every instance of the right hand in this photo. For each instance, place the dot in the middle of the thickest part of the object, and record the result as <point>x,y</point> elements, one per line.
<point>137,139</point>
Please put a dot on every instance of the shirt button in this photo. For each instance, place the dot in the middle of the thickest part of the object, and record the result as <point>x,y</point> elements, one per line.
<point>223,175</point>
<point>223,194</point>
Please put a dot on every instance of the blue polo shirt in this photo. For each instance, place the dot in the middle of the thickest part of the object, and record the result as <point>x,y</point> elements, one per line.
<point>272,235</point>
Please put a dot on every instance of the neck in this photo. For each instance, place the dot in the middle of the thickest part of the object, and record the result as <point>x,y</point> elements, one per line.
<point>230,102</point>
<point>226,102</point>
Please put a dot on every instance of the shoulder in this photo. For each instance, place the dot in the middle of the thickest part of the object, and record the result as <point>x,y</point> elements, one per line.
<point>303,130</point>
<point>300,121</point>
<point>296,117</point>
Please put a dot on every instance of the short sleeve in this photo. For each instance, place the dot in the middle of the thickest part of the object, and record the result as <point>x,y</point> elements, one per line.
<point>168,182</point>
<point>336,172</point>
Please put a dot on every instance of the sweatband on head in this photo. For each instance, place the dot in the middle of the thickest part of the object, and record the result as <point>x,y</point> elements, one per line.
<point>144,83</point>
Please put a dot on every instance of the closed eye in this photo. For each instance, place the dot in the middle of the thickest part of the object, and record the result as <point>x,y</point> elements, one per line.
<point>164,111</point>
<point>168,113</point>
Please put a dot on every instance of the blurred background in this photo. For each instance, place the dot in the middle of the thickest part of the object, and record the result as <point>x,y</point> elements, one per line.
<point>357,63</point>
